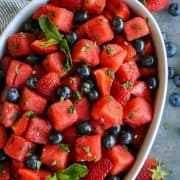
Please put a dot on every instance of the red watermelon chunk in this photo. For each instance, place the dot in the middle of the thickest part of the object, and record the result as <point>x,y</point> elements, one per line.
<point>31,101</point>
<point>4,171</point>
<point>137,112</point>
<point>62,114</point>
<point>149,48</point>
<point>113,56</point>
<point>19,45</point>
<point>17,147</point>
<point>9,114</point>
<point>136,28</point>
<point>86,51</point>
<point>99,30</point>
<point>38,130</point>
<point>54,63</point>
<point>5,62</point>
<point>108,111</point>
<point>88,148</point>
<point>70,135</point>
<point>128,72</point>
<point>60,17</point>
<point>121,158</point>
<point>55,156</point>
<point>3,136</point>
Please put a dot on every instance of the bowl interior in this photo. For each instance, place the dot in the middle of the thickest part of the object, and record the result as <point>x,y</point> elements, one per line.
<point>138,9</point>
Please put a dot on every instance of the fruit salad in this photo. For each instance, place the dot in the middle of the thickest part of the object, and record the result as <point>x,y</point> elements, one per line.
<point>77,88</point>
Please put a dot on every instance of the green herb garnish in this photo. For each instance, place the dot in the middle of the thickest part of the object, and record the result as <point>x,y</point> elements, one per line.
<point>110,51</point>
<point>131,115</point>
<point>70,110</point>
<point>31,114</point>
<point>127,85</point>
<point>110,73</point>
<point>64,148</point>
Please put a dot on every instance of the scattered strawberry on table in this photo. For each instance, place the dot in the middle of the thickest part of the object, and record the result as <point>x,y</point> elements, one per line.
<point>77,89</point>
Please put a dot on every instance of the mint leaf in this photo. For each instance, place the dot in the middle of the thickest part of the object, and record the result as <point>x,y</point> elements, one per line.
<point>49,42</point>
<point>64,148</point>
<point>127,85</point>
<point>49,29</point>
<point>31,114</point>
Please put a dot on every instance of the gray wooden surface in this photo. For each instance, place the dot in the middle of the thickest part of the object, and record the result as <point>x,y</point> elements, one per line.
<point>167,144</point>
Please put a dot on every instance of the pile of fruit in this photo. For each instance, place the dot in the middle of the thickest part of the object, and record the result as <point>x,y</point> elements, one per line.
<point>77,89</point>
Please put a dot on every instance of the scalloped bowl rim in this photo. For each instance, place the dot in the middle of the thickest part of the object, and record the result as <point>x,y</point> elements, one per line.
<point>140,10</point>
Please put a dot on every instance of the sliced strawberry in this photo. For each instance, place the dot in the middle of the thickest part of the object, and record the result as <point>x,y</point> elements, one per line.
<point>99,170</point>
<point>48,84</point>
<point>3,137</point>
<point>37,47</point>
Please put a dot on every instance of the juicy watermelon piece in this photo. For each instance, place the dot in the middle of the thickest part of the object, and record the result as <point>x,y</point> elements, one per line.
<point>121,92</point>
<point>70,135</point>
<point>128,72</point>
<point>137,112</point>
<point>88,148</point>
<point>60,17</point>
<point>94,7</point>
<point>5,62</point>
<point>55,156</point>
<point>99,30</point>
<point>149,48</point>
<point>19,45</point>
<point>62,114</point>
<point>4,171</point>
<point>104,79</point>
<point>31,101</point>
<point>15,166</point>
<point>54,63</point>
<point>113,56</point>
<point>108,111</point>
<point>22,147</point>
<point>121,158</point>
<point>108,14</point>
<point>85,51</point>
<point>9,114</point>
<point>17,74</point>
<point>38,131</point>
<point>118,8</point>
<point>3,136</point>
<point>82,107</point>
<point>136,28</point>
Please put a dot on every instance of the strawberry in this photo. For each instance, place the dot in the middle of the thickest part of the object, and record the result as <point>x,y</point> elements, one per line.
<point>154,5</point>
<point>48,84</point>
<point>99,170</point>
<point>152,170</point>
<point>69,4</point>
<point>38,71</point>
<point>73,82</point>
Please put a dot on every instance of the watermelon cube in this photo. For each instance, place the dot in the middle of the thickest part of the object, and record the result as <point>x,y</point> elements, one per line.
<point>38,131</point>
<point>9,114</point>
<point>99,30</point>
<point>31,101</point>
<point>17,148</point>
<point>62,114</point>
<point>136,28</point>
<point>121,158</point>
<point>88,148</point>
<point>3,136</point>
<point>107,111</point>
<point>55,156</point>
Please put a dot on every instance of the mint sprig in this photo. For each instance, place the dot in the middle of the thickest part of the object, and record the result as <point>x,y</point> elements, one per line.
<point>55,37</point>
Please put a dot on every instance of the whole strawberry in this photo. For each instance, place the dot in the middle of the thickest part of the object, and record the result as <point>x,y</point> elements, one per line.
<point>151,170</point>
<point>155,5</point>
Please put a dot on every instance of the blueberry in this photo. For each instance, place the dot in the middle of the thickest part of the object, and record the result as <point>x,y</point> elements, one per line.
<point>171,72</point>
<point>174,99</point>
<point>64,92</point>
<point>148,61</point>
<point>81,17</point>
<point>84,71</point>
<point>93,95</point>
<point>174,9</point>
<point>2,78</point>
<point>55,138</point>
<point>117,24</point>
<point>114,131</point>
<point>31,25</point>
<point>87,86</point>
<point>152,82</point>
<point>139,45</point>
<point>171,49</point>
<point>113,178</point>
<point>33,59</point>
<point>31,82</point>
<point>177,80</point>
<point>109,141</point>
<point>3,156</point>
<point>126,137</point>
<point>33,162</point>
<point>84,128</point>
<point>12,95</point>
<point>71,38</point>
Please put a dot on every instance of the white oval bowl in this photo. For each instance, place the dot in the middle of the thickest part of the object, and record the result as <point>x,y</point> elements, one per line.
<point>140,10</point>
